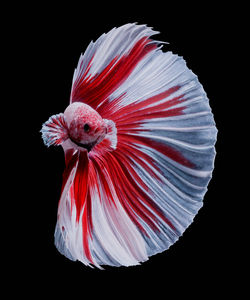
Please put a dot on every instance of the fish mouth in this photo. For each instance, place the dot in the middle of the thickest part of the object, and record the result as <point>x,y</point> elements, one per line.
<point>88,147</point>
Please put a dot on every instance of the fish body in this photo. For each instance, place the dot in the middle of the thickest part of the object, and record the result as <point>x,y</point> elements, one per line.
<point>138,137</point>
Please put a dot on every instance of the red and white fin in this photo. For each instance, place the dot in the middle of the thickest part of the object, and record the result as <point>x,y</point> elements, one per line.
<point>54,131</point>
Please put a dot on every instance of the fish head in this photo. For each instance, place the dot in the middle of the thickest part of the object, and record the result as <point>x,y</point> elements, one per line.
<point>86,127</point>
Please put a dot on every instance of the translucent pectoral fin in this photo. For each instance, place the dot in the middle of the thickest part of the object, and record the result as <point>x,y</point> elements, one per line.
<point>54,131</point>
<point>111,133</point>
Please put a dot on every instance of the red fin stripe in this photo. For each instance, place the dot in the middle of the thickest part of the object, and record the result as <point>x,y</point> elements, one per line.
<point>81,182</point>
<point>129,170</point>
<point>86,227</point>
<point>128,195</point>
<point>107,108</point>
<point>138,195</point>
<point>89,213</point>
<point>71,191</point>
<point>68,155</point>
<point>136,154</point>
<point>80,193</point>
<point>142,118</point>
<point>125,154</point>
<point>100,149</point>
<point>70,160</point>
<point>96,168</point>
<point>94,90</point>
<point>157,145</point>
<point>157,111</point>
<point>135,107</point>
<point>126,147</point>
<point>75,95</point>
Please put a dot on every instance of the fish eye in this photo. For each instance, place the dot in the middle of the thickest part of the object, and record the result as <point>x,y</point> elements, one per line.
<point>86,127</point>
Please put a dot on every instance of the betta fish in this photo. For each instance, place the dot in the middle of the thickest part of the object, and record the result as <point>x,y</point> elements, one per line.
<point>139,143</point>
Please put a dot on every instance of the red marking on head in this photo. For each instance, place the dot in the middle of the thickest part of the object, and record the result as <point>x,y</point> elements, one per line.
<point>85,125</point>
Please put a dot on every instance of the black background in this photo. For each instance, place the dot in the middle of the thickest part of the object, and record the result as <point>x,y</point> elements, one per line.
<point>49,41</point>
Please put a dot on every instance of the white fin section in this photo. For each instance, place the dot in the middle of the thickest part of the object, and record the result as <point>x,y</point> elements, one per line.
<point>117,241</point>
<point>157,73</point>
